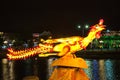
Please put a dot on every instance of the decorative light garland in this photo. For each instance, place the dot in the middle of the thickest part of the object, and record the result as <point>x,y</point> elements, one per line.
<point>22,54</point>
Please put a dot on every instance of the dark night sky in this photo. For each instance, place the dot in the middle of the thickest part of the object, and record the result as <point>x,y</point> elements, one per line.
<point>59,17</point>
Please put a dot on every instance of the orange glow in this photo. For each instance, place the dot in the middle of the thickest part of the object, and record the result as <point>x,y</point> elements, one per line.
<point>75,43</point>
<point>101,21</point>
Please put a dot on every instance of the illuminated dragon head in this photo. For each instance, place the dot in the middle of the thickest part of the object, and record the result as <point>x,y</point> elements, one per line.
<point>98,28</point>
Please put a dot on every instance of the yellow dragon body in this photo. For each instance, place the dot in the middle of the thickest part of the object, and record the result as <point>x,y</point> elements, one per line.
<point>75,43</point>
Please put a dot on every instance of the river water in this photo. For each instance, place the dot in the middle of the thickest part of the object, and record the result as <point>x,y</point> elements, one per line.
<point>99,69</point>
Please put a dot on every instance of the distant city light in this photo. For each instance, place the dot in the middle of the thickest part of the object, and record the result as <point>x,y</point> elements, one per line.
<point>4,47</point>
<point>79,26</point>
<point>10,45</point>
<point>1,33</point>
<point>13,41</point>
<point>86,26</point>
<point>108,30</point>
<point>36,34</point>
<point>101,41</point>
<point>5,42</point>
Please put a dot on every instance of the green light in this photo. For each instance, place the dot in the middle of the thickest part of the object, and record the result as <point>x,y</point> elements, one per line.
<point>86,26</point>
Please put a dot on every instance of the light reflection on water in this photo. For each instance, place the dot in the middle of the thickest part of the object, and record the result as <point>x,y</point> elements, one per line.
<point>95,70</point>
<point>89,70</point>
<point>102,73</point>
<point>109,66</point>
<point>102,69</point>
<point>7,70</point>
<point>99,69</point>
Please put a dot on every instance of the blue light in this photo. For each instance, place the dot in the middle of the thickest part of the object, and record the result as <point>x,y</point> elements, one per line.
<point>95,70</point>
<point>109,70</point>
<point>4,47</point>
